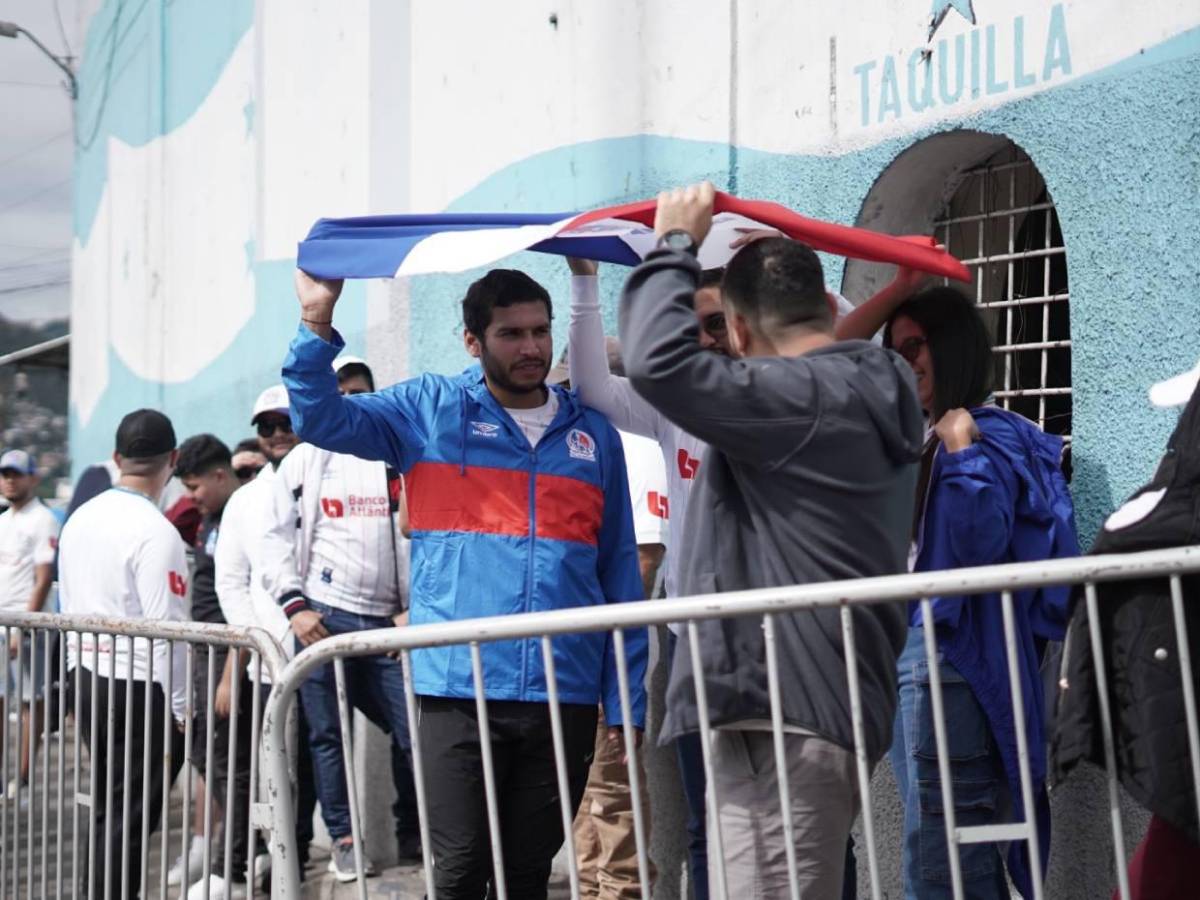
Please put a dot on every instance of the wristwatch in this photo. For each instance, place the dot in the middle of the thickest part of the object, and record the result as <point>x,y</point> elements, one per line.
<point>679,239</point>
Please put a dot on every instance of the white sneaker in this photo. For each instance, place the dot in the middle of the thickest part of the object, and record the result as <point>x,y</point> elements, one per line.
<point>216,890</point>
<point>195,865</point>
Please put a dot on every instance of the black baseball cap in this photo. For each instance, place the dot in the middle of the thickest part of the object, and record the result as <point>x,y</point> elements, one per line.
<point>144,433</point>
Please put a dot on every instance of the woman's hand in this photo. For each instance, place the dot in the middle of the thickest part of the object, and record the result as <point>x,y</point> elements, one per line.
<point>957,430</point>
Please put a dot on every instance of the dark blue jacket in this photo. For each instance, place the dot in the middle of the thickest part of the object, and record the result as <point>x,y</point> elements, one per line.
<point>1002,500</point>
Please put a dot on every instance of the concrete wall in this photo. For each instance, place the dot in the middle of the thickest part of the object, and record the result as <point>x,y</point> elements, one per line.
<point>213,132</point>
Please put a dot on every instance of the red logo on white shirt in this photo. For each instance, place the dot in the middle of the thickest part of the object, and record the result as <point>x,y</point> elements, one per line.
<point>177,583</point>
<point>688,465</point>
<point>335,509</point>
<point>658,505</point>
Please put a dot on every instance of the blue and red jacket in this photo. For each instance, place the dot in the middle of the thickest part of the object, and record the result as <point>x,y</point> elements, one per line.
<point>498,527</point>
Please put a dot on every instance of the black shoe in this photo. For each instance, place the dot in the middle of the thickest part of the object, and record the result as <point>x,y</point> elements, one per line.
<point>408,850</point>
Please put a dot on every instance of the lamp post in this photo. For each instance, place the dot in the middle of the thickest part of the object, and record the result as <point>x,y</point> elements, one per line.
<point>13,30</point>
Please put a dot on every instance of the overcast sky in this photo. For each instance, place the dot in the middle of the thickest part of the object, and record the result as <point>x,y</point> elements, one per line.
<point>36,144</point>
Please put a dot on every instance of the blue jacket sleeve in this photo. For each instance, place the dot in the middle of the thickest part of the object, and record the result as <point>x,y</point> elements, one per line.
<point>977,497</point>
<point>621,580</point>
<point>385,425</point>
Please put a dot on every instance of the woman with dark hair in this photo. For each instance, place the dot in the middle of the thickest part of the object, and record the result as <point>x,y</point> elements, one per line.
<point>990,491</point>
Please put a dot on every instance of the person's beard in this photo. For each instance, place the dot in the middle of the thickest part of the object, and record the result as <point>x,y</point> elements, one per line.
<point>499,376</point>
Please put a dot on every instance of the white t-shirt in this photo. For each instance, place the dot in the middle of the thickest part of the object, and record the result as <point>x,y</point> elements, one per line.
<point>238,560</point>
<point>647,488</point>
<point>28,538</point>
<point>352,562</point>
<point>534,422</point>
<point>120,557</point>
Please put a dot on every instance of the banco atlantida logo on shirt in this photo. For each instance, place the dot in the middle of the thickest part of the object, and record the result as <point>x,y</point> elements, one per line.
<point>581,445</point>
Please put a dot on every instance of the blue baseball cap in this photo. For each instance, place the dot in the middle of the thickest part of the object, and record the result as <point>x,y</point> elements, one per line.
<point>18,461</point>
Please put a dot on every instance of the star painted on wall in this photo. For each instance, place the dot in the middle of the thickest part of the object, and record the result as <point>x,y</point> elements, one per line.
<point>941,8</point>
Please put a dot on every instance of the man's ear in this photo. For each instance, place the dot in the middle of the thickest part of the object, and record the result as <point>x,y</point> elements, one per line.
<point>739,331</point>
<point>472,344</point>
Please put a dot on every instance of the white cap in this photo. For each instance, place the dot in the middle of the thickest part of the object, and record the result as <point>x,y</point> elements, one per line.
<point>273,399</point>
<point>1176,391</point>
<point>347,360</point>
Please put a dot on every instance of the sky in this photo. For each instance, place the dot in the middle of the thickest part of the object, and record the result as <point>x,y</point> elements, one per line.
<point>36,152</point>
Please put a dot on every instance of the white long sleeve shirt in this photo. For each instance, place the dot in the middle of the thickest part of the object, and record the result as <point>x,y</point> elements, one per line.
<point>238,560</point>
<point>120,557</point>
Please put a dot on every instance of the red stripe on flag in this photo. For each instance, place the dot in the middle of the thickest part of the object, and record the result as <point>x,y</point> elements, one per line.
<point>569,509</point>
<point>917,252</point>
<point>484,500</point>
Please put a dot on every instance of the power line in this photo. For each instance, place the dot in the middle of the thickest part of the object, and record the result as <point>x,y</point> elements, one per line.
<point>34,195</point>
<point>29,288</point>
<point>46,143</point>
<point>31,84</point>
<point>62,30</point>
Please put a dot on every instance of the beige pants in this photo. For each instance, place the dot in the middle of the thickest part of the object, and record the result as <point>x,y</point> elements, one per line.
<point>824,801</point>
<point>605,848</point>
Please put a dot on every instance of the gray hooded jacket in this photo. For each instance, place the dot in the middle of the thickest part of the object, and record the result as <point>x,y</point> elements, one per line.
<point>809,477</point>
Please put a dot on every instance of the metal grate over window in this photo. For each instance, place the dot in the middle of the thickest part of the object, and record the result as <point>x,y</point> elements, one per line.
<point>1002,224</point>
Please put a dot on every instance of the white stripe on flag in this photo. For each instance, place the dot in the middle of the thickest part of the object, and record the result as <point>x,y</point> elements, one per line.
<point>457,251</point>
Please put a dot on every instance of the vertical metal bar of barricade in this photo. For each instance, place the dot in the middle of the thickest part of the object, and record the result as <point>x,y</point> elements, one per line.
<point>147,768</point>
<point>631,761</point>
<point>210,734</point>
<point>188,715</point>
<point>560,764</point>
<point>1189,688</point>
<point>5,800</point>
<point>781,767</point>
<point>23,730</point>
<point>127,768</point>
<point>47,691</point>
<point>168,737</point>
<point>93,768</point>
<point>1110,761</point>
<point>943,751</point>
<point>231,768</point>
<point>30,749</point>
<point>410,699</point>
<point>713,802</point>
<point>110,738</point>
<point>62,763</point>
<point>862,765</point>
<point>285,869</point>
<point>77,760</point>
<point>255,737</point>
<point>489,773</point>
<point>1018,703</point>
<point>339,675</point>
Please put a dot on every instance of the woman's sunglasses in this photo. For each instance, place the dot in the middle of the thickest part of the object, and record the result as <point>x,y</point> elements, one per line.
<point>246,473</point>
<point>911,349</point>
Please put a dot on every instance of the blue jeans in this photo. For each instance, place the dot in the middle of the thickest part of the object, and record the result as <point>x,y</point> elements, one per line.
<point>375,687</point>
<point>977,780</point>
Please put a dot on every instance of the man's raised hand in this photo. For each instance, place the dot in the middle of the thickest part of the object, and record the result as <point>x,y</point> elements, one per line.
<point>687,209</point>
<point>586,267</point>
<point>317,297</point>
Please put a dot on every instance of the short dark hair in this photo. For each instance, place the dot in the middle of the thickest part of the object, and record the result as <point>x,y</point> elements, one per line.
<point>249,445</point>
<point>711,277</point>
<point>499,288</point>
<point>778,283</point>
<point>356,370</point>
<point>200,454</point>
<point>959,345</point>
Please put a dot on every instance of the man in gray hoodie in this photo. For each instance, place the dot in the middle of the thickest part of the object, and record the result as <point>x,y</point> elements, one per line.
<point>810,477</point>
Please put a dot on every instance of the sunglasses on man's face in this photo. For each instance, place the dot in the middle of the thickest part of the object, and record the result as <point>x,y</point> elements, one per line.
<point>714,325</point>
<point>246,473</point>
<point>267,427</point>
<point>911,349</point>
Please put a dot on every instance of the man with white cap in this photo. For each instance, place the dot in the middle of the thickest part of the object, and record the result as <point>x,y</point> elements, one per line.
<point>245,601</point>
<point>28,540</point>
<point>344,568</point>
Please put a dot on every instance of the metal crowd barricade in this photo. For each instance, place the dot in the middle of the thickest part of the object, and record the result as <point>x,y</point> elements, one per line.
<point>771,604</point>
<point>49,840</point>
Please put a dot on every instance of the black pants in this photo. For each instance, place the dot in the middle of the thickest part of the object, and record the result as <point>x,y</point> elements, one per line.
<point>526,785</point>
<point>141,805</point>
